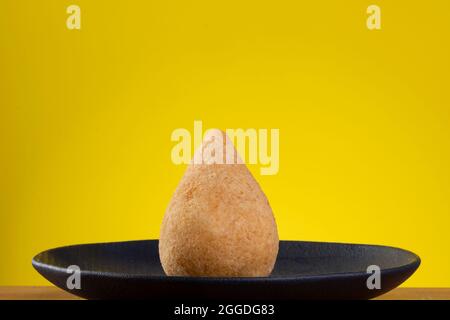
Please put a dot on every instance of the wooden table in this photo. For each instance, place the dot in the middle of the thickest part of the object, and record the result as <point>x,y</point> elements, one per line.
<point>53,293</point>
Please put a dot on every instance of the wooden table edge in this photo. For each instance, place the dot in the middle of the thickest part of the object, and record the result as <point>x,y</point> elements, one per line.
<point>54,293</point>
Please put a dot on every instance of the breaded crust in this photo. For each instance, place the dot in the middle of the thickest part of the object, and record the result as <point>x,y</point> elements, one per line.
<point>218,223</point>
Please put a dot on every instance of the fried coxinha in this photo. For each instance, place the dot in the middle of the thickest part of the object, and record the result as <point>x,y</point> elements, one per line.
<point>219,222</point>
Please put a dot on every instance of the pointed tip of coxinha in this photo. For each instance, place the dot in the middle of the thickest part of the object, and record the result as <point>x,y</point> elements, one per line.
<point>216,148</point>
<point>218,222</point>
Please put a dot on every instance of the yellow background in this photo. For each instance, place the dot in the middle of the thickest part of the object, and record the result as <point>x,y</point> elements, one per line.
<point>86,118</point>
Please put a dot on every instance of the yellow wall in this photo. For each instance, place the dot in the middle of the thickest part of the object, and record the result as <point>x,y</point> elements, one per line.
<point>86,118</point>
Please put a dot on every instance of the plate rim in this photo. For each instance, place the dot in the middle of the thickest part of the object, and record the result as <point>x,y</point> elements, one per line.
<point>413,265</point>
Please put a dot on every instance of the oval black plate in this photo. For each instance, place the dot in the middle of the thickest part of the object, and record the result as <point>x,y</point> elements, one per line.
<point>304,270</point>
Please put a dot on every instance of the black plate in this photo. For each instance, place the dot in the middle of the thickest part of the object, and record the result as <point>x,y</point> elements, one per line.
<point>304,270</point>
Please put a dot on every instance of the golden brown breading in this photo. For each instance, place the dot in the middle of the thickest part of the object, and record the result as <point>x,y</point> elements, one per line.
<point>218,223</point>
